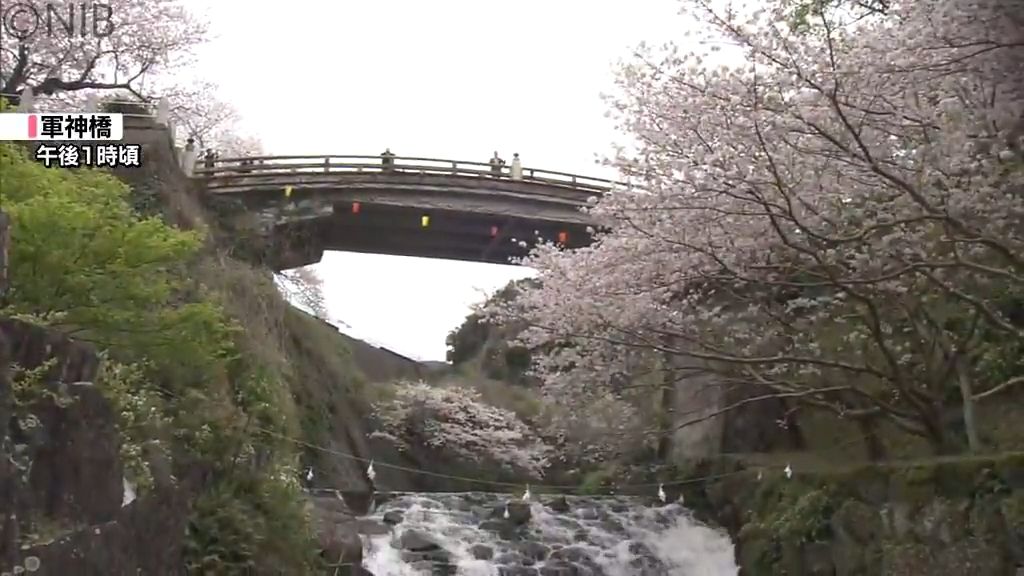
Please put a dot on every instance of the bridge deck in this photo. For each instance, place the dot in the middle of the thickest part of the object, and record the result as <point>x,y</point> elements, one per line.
<point>360,204</point>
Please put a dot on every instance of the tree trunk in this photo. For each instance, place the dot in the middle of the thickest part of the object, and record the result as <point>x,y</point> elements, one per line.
<point>793,429</point>
<point>963,378</point>
<point>666,413</point>
<point>935,434</point>
<point>872,443</point>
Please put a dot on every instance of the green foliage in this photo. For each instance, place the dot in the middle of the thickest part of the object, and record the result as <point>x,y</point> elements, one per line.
<point>600,480</point>
<point>193,360</point>
<point>478,340</point>
<point>804,14</point>
<point>247,522</point>
<point>29,386</point>
<point>807,519</point>
<point>114,279</point>
<point>142,418</point>
<point>466,342</point>
<point>791,512</point>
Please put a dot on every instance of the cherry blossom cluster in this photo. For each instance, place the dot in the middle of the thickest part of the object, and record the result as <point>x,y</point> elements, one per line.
<point>836,214</point>
<point>457,420</point>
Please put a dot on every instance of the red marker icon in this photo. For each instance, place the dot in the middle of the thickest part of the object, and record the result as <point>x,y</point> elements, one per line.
<point>33,126</point>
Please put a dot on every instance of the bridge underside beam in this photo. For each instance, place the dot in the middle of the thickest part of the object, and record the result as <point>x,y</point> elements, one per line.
<point>311,196</point>
<point>400,231</point>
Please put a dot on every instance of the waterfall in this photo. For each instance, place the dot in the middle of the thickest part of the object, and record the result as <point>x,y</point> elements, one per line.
<point>483,534</point>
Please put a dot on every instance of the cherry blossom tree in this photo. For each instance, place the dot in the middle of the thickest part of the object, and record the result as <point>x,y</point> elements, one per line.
<point>199,113</point>
<point>457,419</point>
<point>133,51</point>
<point>144,38</point>
<point>304,287</point>
<point>837,219</point>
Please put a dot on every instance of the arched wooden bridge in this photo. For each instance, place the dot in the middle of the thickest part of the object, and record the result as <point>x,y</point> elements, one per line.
<point>410,206</point>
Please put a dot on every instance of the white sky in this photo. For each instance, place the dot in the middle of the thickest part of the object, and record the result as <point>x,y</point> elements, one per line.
<point>454,79</point>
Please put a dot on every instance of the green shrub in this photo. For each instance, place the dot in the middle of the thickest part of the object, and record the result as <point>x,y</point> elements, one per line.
<point>250,522</point>
<point>194,359</point>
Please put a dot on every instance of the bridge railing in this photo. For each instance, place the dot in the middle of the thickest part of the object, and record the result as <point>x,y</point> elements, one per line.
<point>222,168</point>
<point>226,171</point>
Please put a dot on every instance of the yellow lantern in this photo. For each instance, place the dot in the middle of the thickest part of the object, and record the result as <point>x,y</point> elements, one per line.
<point>425,221</point>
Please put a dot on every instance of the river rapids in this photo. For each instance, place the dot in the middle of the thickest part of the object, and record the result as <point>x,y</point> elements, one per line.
<point>482,534</point>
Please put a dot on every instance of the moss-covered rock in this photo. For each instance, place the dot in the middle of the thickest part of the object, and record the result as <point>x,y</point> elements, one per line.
<point>1012,509</point>
<point>906,559</point>
<point>942,522</point>
<point>951,517</point>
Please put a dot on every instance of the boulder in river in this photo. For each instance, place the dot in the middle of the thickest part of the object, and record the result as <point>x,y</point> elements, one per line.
<point>393,517</point>
<point>518,512</point>
<point>560,505</point>
<point>337,532</point>
<point>417,541</point>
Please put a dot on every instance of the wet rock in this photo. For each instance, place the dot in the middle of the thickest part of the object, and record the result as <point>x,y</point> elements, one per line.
<point>434,568</point>
<point>568,523</point>
<point>560,505</point>
<point>612,525</point>
<point>371,527</point>
<point>504,529</point>
<point>439,556</point>
<point>417,541</point>
<point>516,571</point>
<point>336,531</point>
<point>481,551</point>
<point>645,563</point>
<point>393,517</point>
<point>492,525</point>
<point>359,501</point>
<point>518,512</point>
<point>533,550</point>
<point>509,558</point>
<point>560,569</point>
<point>571,554</point>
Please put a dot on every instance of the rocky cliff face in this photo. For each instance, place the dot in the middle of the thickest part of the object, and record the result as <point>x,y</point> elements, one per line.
<point>61,473</point>
<point>955,518</point>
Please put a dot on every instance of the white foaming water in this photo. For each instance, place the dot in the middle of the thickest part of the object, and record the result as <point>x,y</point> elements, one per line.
<point>613,536</point>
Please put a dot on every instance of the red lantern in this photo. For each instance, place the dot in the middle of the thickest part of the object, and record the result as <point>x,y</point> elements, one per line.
<point>355,207</point>
<point>563,237</point>
<point>494,231</point>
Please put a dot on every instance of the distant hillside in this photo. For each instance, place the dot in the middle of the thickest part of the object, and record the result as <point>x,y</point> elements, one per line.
<point>478,347</point>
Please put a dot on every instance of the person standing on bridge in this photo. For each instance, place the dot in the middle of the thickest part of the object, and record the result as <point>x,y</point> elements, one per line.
<point>496,165</point>
<point>516,171</point>
<point>188,156</point>
<point>209,158</point>
<point>387,160</point>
